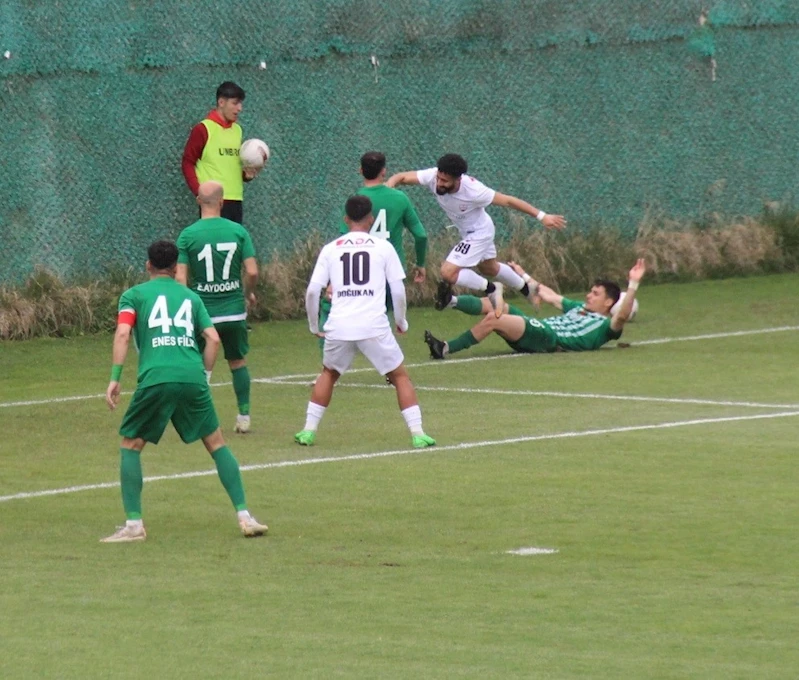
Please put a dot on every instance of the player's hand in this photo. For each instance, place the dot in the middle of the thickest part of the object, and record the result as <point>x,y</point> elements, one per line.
<point>515,267</point>
<point>329,293</point>
<point>402,328</point>
<point>320,334</point>
<point>638,270</point>
<point>112,394</point>
<point>251,300</point>
<point>419,274</point>
<point>250,172</point>
<point>554,222</point>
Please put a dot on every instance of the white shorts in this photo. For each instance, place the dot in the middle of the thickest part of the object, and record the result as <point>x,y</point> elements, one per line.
<point>383,352</point>
<point>470,253</point>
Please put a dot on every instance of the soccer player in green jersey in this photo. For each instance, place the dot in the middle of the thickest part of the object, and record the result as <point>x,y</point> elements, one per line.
<point>582,326</point>
<point>393,213</point>
<point>214,250</point>
<point>165,320</point>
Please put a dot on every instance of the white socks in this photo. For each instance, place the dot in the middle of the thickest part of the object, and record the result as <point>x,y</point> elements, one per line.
<point>243,514</point>
<point>509,277</point>
<point>469,279</point>
<point>313,415</point>
<point>413,418</point>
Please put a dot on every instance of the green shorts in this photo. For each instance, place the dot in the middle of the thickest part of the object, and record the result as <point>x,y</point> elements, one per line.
<point>536,338</point>
<point>235,339</point>
<point>187,405</point>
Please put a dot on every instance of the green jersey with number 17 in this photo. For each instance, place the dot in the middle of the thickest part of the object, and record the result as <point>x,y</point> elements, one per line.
<point>393,213</point>
<point>214,249</point>
<point>166,319</point>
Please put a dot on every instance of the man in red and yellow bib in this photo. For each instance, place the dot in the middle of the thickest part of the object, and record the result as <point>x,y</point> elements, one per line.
<point>212,151</point>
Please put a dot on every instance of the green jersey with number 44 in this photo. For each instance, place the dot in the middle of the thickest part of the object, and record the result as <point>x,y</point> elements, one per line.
<point>214,249</point>
<point>168,317</point>
<point>393,213</point>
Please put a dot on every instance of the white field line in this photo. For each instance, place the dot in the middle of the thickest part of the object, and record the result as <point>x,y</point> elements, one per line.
<point>404,452</point>
<point>563,395</point>
<point>449,362</point>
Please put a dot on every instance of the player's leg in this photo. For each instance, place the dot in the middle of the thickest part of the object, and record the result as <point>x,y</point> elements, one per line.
<point>455,271</point>
<point>504,274</point>
<point>511,328</point>
<point>338,356</point>
<point>195,418</point>
<point>233,211</point>
<point>384,353</point>
<point>236,346</point>
<point>144,421</point>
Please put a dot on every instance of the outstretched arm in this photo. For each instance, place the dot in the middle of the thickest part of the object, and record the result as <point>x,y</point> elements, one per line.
<point>549,221</point>
<point>118,354</point>
<point>626,307</point>
<point>408,177</point>
<point>538,289</point>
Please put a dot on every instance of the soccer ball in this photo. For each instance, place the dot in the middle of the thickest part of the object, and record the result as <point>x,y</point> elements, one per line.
<point>615,308</point>
<point>251,155</point>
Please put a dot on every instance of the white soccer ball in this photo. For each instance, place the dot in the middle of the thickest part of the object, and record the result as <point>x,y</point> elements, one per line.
<point>252,153</point>
<point>615,308</point>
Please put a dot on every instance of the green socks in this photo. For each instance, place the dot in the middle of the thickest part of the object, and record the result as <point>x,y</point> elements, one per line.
<point>469,304</point>
<point>229,474</point>
<point>130,478</point>
<point>464,340</point>
<point>241,386</point>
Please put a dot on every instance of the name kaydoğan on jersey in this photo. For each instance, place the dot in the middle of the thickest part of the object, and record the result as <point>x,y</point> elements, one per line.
<point>466,207</point>
<point>358,267</point>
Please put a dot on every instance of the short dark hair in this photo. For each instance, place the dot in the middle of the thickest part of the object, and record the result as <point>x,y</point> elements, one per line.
<point>372,164</point>
<point>163,254</point>
<point>229,90</point>
<point>357,207</point>
<point>612,289</point>
<point>452,164</point>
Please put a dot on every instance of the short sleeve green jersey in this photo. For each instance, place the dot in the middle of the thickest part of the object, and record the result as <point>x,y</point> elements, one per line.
<point>578,329</point>
<point>393,213</point>
<point>168,319</point>
<point>214,249</point>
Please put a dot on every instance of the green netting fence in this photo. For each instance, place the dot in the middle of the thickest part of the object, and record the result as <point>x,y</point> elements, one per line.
<point>601,110</point>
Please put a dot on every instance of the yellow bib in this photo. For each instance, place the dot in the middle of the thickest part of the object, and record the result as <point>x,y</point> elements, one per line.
<point>220,159</point>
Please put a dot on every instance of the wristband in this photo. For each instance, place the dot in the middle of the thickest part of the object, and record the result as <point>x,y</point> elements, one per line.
<point>632,285</point>
<point>116,372</point>
<point>208,377</point>
<point>541,215</point>
<point>526,277</point>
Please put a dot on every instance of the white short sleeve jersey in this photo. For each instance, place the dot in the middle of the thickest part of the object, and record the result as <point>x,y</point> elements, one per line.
<point>358,267</point>
<point>466,207</point>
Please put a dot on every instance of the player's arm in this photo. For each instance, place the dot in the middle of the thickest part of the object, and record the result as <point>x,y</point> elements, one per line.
<point>182,274</point>
<point>409,177</point>
<point>125,321</point>
<point>537,289</point>
<point>192,152</point>
<point>549,221</point>
<point>211,349</point>
<point>250,266</point>
<point>319,281</point>
<point>414,225</point>
<point>626,307</point>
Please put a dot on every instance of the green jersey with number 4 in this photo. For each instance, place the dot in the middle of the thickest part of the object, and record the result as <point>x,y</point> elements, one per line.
<point>214,249</point>
<point>168,317</point>
<point>393,213</point>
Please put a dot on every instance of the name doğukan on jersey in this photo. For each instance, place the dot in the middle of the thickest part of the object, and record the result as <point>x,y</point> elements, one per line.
<point>358,268</point>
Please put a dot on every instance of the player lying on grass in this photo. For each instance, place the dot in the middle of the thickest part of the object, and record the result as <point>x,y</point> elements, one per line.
<point>166,319</point>
<point>582,326</point>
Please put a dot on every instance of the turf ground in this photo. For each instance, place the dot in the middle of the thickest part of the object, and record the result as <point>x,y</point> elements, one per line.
<point>662,477</point>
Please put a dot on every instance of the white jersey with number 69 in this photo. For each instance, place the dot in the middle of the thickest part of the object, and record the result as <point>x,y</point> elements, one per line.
<point>358,267</point>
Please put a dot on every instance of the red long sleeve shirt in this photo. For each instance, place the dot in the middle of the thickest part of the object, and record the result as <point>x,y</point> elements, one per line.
<point>193,151</point>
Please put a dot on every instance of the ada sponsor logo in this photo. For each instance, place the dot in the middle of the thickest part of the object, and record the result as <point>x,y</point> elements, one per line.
<point>355,241</point>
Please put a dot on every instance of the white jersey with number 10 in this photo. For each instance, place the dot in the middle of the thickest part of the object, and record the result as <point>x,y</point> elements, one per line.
<point>358,267</point>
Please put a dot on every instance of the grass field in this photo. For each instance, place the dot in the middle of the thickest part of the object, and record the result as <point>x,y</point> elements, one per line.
<point>664,475</point>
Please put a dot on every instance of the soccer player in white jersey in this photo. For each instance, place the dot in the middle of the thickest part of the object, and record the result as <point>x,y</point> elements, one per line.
<point>464,199</point>
<point>358,266</point>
